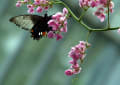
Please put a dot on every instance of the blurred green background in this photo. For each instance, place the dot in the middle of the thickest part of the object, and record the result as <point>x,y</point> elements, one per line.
<point>24,61</point>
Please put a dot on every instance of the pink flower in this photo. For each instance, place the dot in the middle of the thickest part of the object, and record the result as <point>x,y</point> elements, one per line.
<point>39,5</point>
<point>51,34</point>
<point>18,4</point>
<point>62,19</point>
<point>74,62</point>
<point>101,9</point>
<point>46,8</point>
<point>68,72</point>
<point>102,17</point>
<point>64,28</point>
<point>77,53</point>
<point>111,6</point>
<point>101,6</point>
<point>39,9</point>
<point>59,23</point>
<point>84,3</point>
<point>99,13</point>
<point>58,36</point>
<point>31,10</point>
<point>26,0</point>
<point>37,2</point>
<point>65,11</point>
<point>53,24</point>
<point>76,66</point>
<point>74,54</point>
<point>43,3</point>
<point>57,16</point>
<point>93,4</point>
<point>30,6</point>
<point>103,1</point>
<point>77,71</point>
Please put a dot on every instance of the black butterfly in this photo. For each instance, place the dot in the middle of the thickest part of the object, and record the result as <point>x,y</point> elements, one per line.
<point>37,25</point>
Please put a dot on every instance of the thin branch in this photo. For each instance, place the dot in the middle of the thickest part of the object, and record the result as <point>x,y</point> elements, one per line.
<point>88,35</point>
<point>82,15</point>
<point>72,14</point>
<point>81,22</point>
<point>97,30</point>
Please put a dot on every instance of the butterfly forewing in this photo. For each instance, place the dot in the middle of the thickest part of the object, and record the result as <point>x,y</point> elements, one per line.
<point>26,21</point>
<point>36,25</point>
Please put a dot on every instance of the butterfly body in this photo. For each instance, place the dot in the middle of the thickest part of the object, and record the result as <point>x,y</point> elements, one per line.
<point>37,25</point>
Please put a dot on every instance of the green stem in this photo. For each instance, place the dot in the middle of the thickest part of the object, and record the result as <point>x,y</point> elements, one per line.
<point>97,30</point>
<point>83,13</point>
<point>72,14</point>
<point>82,23</point>
<point>88,35</point>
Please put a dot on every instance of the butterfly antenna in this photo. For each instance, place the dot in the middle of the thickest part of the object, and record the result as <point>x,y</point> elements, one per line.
<point>46,13</point>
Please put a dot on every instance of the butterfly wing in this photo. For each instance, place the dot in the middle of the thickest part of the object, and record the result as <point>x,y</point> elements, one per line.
<point>26,21</point>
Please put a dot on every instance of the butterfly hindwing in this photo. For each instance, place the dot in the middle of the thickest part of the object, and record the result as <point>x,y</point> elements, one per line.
<point>26,21</point>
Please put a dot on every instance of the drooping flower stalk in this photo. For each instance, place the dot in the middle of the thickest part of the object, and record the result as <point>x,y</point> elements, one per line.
<point>77,53</point>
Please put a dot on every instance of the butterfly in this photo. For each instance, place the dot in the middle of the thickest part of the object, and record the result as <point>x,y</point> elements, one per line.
<point>35,24</point>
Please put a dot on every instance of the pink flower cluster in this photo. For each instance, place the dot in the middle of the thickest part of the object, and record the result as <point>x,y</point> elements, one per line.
<point>40,5</point>
<point>101,6</point>
<point>58,24</point>
<point>77,53</point>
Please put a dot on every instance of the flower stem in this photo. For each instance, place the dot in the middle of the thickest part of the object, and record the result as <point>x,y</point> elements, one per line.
<point>83,13</point>
<point>72,14</point>
<point>97,30</point>
<point>82,23</point>
<point>88,35</point>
